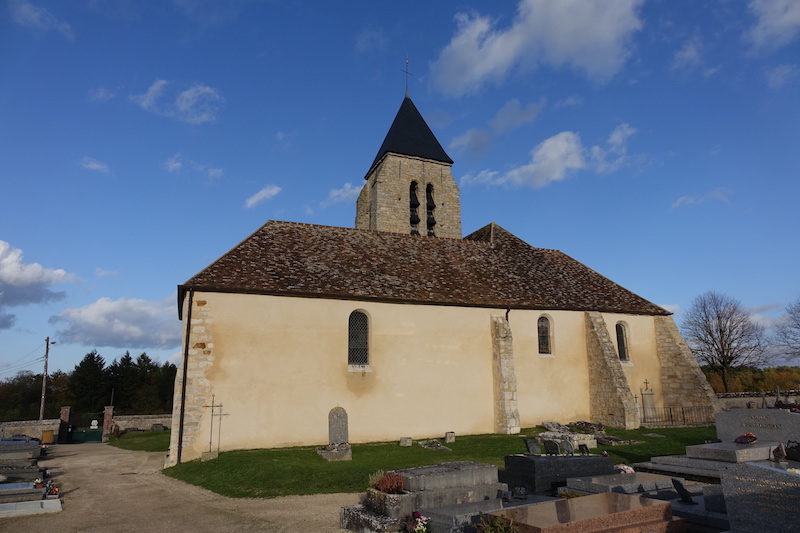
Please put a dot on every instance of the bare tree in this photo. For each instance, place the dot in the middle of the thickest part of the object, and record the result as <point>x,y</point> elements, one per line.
<point>788,330</point>
<point>723,335</point>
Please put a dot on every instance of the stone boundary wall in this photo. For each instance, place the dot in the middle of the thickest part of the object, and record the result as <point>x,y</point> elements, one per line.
<point>739,400</point>
<point>612,402</point>
<point>144,422</point>
<point>29,428</point>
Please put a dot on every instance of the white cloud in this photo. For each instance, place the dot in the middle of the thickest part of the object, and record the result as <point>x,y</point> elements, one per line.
<point>198,104</point>
<point>672,308</point>
<point>173,163</point>
<point>267,193</point>
<point>93,164</point>
<point>778,23</point>
<point>26,283</point>
<point>101,94</point>
<point>37,18</point>
<point>551,161</point>
<point>512,115</point>
<point>781,75</point>
<point>689,56</point>
<point>570,101</point>
<point>347,193</point>
<point>590,37</point>
<point>473,141</point>
<point>102,273</point>
<point>562,154</point>
<point>721,194</point>
<point>122,323</point>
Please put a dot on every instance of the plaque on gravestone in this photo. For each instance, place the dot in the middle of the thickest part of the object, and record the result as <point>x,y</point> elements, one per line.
<point>685,495</point>
<point>337,426</point>
<point>551,447</point>
<point>779,454</point>
<point>567,447</point>
<point>793,450</point>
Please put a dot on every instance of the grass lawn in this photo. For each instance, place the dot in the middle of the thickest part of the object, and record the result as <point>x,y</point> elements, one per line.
<point>144,441</point>
<point>283,472</point>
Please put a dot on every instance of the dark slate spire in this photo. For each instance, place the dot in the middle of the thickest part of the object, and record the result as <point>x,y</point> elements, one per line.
<point>410,135</point>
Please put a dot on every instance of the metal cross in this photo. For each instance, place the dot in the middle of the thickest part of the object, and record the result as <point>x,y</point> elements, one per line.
<point>646,385</point>
<point>407,75</point>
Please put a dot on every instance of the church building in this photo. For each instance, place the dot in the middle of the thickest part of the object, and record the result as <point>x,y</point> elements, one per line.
<point>411,328</point>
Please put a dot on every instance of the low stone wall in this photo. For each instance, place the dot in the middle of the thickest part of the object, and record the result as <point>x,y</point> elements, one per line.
<point>144,422</point>
<point>30,428</point>
<point>739,400</point>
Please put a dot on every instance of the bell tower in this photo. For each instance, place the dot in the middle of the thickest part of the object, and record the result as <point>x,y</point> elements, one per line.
<point>409,187</point>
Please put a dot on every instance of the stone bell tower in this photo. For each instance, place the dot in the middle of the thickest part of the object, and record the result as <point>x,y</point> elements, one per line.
<point>409,186</point>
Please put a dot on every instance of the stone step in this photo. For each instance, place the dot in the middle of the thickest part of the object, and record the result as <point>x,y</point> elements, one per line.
<point>689,462</point>
<point>684,471</point>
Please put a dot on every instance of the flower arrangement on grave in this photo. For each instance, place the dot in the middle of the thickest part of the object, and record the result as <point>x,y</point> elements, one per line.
<point>793,470</point>
<point>51,488</point>
<point>625,469</point>
<point>37,483</point>
<point>416,523</point>
<point>391,483</point>
<point>375,477</point>
<point>747,438</point>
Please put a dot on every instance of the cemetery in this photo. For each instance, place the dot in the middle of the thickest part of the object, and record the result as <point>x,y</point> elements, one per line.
<point>745,481</point>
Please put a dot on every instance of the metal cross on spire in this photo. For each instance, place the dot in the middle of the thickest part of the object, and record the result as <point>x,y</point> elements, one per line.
<point>407,75</point>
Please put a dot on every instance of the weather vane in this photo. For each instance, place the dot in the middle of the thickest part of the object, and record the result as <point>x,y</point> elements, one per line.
<point>407,75</point>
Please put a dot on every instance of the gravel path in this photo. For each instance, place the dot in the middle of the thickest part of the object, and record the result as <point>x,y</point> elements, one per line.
<point>107,489</point>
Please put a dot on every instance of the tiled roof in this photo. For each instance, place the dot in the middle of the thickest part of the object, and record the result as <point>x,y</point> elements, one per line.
<point>410,135</point>
<point>490,268</point>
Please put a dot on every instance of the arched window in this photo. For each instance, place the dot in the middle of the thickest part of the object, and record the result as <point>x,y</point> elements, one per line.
<point>358,340</point>
<point>431,205</point>
<point>413,202</point>
<point>622,342</point>
<point>543,326</point>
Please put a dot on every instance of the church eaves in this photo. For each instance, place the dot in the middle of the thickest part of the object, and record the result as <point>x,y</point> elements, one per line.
<point>410,135</point>
<point>490,268</point>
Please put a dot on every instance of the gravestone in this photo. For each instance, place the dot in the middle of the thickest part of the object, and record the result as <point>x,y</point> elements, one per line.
<point>567,447</point>
<point>793,450</point>
<point>622,483</point>
<point>779,453</point>
<point>761,498</point>
<point>532,446</point>
<point>551,447</point>
<point>776,425</point>
<point>543,474</point>
<point>406,442</point>
<point>449,437</point>
<point>584,449</point>
<point>731,452</point>
<point>338,448</point>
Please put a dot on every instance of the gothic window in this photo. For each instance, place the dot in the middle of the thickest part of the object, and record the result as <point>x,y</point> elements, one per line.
<point>358,340</point>
<point>413,205</point>
<point>622,342</point>
<point>431,205</point>
<point>543,325</point>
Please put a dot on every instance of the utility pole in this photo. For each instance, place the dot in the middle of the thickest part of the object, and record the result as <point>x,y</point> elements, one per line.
<point>47,344</point>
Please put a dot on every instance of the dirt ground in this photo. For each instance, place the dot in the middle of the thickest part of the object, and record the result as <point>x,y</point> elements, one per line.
<point>108,489</point>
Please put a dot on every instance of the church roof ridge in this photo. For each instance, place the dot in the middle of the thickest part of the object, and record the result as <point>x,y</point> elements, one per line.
<point>410,135</point>
<point>308,260</point>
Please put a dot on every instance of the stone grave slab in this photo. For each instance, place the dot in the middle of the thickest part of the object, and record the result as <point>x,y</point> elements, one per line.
<point>448,475</point>
<point>543,475</point>
<point>778,425</point>
<point>761,498</point>
<point>609,511</point>
<point>23,508</point>
<point>621,483</point>
<point>456,518</point>
<point>730,452</point>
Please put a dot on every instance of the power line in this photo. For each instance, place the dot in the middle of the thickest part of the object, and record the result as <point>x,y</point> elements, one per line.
<point>21,366</point>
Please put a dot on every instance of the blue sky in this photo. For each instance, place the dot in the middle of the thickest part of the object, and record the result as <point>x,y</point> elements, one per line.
<point>655,141</point>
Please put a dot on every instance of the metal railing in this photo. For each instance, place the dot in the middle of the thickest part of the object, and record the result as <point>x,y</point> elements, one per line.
<point>676,416</point>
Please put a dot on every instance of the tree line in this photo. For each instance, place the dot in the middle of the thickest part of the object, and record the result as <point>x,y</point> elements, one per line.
<point>732,347</point>
<point>133,386</point>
